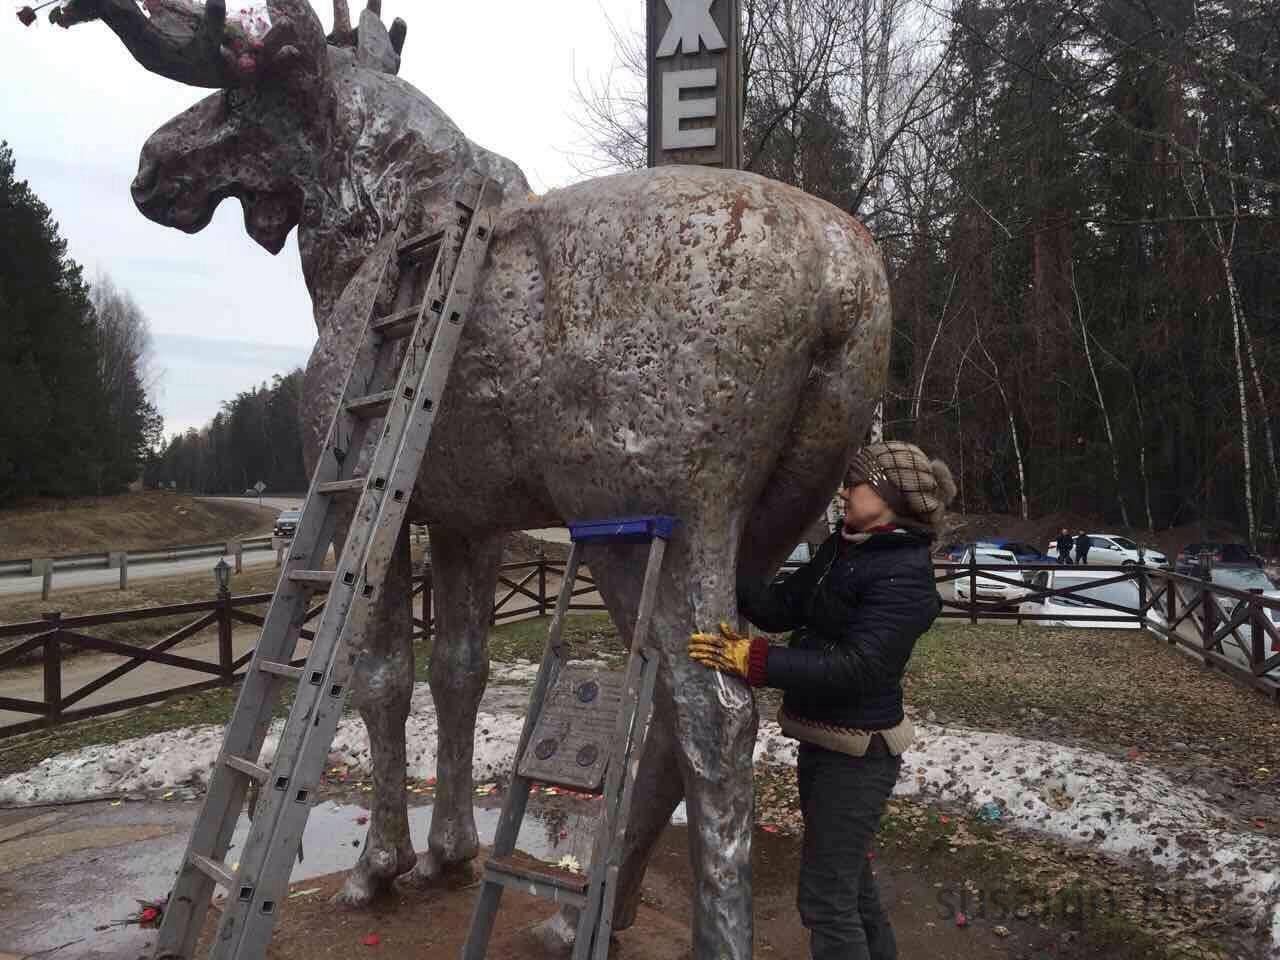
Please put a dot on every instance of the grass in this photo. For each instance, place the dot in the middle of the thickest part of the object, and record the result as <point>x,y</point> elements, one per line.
<point>589,636</point>
<point>1112,690</point>
<point>130,521</point>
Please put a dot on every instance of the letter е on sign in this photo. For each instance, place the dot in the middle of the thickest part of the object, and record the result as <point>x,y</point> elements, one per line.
<point>695,83</point>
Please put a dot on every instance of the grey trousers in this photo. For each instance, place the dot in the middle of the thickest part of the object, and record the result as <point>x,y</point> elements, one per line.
<point>842,799</point>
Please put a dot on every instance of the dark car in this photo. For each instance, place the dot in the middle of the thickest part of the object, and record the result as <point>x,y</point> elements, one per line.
<point>952,552</point>
<point>1236,554</point>
<point>287,523</point>
<point>1025,552</point>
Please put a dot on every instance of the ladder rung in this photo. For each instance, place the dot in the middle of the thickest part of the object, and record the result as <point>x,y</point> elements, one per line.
<point>522,867</point>
<point>259,773</point>
<point>398,324</point>
<point>373,405</point>
<point>311,576</point>
<point>286,670</point>
<point>571,787</point>
<point>354,485</point>
<point>420,244</point>
<point>214,870</point>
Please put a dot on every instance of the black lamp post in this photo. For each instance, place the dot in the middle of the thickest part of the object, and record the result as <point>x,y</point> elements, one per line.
<point>222,573</point>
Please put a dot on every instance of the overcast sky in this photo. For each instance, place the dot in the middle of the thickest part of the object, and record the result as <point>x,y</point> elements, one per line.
<point>226,314</point>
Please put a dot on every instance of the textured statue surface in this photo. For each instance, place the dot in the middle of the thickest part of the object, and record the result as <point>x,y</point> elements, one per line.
<point>688,341</point>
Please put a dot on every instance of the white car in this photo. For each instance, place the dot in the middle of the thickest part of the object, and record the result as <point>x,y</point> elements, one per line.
<point>801,554</point>
<point>1112,550</point>
<point>1066,610</point>
<point>1244,579</point>
<point>987,589</point>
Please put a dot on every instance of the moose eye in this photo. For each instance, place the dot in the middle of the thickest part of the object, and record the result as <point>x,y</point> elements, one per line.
<point>232,100</point>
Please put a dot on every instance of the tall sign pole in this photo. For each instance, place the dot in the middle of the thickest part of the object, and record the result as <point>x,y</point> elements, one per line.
<point>695,82</point>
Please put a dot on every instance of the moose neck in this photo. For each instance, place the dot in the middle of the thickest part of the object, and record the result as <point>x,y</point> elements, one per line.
<point>392,155</point>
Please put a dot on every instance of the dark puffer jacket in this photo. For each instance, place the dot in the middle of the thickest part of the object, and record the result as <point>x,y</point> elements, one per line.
<point>857,610</point>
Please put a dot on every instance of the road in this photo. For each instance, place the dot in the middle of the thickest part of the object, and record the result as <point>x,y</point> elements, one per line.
<point>64,580</point>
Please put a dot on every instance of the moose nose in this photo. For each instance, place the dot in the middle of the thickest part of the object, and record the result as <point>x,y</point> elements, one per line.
<point>145,181</point>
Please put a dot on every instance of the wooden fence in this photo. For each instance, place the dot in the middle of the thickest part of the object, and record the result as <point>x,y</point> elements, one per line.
<point>1233,630</point>
<point>1228,629</point>
<point>531,588</point>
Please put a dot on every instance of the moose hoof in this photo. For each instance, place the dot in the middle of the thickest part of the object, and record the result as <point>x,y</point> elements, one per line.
<point>557,934</point>
<point>375,872</point>
<point>430,872</point>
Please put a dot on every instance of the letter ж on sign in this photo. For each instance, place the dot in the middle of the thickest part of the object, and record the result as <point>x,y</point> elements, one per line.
<point>695,83</point>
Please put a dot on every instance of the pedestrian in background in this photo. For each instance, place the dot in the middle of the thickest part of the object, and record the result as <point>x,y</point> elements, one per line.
<point>1064,546</point>
<point>1082,548</point>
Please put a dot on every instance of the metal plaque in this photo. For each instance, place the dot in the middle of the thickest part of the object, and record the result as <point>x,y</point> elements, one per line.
<point>573,738</point>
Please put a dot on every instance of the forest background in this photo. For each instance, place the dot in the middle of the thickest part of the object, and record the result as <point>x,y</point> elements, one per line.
<point>1079,205</point>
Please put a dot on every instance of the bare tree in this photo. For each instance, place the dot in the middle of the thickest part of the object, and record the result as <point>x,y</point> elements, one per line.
<point>994,375</point>
<point>1224,246</point>
<point>818,76</point>
<point>924,368</point>
<point>1102,400</point>
<point>613,110</point>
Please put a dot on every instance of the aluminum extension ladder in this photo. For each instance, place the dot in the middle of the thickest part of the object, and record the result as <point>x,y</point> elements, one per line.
<point>584,731</point>
<point>438,276</point>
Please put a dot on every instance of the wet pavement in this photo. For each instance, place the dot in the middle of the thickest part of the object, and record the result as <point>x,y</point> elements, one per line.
<point>70,875</point>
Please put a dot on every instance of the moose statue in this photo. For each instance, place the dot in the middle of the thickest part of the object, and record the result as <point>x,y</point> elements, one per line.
<point>690,341</point>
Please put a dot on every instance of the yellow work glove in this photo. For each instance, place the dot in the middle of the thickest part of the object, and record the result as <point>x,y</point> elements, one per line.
<point>727,651</point>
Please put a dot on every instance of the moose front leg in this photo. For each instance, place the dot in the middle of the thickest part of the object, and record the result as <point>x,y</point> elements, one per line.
<point>464,576</point>
<point>382,688</point>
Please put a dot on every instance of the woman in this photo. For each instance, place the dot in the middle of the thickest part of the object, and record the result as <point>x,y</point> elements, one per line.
<point>857,609</point>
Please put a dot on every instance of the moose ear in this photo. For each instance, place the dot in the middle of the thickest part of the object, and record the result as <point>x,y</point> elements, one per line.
<point>374,47</point>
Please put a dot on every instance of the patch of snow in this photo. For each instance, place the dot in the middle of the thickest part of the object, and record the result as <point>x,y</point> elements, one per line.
<point>1124,809</point>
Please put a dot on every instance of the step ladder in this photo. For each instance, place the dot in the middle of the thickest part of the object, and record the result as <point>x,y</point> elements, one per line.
<point>584,731</point>
<point>393,387</point>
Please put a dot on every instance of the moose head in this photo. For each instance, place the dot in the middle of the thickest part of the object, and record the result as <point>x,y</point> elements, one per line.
<point>305,130</point>
<point>261,139</point>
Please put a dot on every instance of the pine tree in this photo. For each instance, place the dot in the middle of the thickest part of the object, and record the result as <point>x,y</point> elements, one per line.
<point>51,403</point>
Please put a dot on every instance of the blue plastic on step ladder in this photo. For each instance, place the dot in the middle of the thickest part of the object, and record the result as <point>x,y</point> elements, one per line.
<point>622,529</point>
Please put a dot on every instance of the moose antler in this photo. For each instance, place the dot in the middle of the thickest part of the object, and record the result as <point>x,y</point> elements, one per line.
<point>342,35</point>
<point>341,16</point>
<point>196,44</point>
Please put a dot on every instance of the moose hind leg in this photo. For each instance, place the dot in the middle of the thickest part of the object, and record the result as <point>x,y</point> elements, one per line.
<point>381,688</point>
<point>464,576</point>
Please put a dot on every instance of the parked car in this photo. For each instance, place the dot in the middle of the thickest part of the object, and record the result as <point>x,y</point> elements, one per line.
<point>988,590</point>
<point>952,552</point>
<point>1237,646</point>
<point>1066,609</point>
<point>287,523</point>
<point>1025,552</point>
<point>1114,550</point>
<point>1243,577</point>
<point>1188,559</point>
<point>803,553</point>
<point>800,555</point>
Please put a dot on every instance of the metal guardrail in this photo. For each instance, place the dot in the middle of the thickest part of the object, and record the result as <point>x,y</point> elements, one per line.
<point>101,561</point>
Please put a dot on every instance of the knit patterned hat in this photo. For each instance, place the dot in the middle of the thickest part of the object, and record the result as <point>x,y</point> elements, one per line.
<point>915,487</point>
